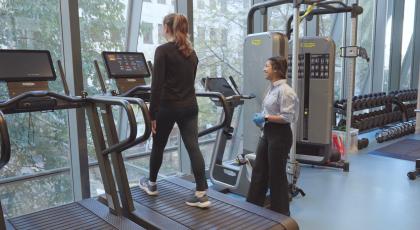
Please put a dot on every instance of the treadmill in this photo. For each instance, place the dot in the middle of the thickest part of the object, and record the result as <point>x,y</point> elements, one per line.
<point>168,210</point>
<point>27,74</point>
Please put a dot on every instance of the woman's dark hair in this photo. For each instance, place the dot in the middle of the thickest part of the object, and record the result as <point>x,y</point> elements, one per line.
<point>279,65</point>
<point>178,26</point>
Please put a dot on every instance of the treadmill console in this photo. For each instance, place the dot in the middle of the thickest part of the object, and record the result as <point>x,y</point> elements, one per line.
<point>25,71</point>
<point>26,66</point>
<point>127,68</point>
<point>218,84</point>
<point>126,64</point>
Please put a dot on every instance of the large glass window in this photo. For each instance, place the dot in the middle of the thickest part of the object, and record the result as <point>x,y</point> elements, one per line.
<point>219,33</point>
<point>363,80</point>
<point>278,16</point>
<point>407,44</point>
<point>40,141</point>
<point>387,48</point>
<point>331,25</point>
<point>101,29</point>
<point>151,35</point>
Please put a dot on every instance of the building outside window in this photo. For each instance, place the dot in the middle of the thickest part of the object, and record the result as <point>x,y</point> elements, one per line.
<point>146,29</point>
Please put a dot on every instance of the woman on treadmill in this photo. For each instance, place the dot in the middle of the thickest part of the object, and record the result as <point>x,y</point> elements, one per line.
<point>279,109</point>
<point>173,100</point>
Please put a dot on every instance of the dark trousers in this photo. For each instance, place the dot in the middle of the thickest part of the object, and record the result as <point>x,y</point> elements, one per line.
<point>270,168</point>
<point>187,121</point>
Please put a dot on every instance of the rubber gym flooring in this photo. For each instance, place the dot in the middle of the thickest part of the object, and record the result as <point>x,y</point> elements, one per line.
<point>375,194</point>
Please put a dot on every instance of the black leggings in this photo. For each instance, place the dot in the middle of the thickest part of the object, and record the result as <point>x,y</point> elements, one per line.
<point>270,168</point>
<point>187,120</point>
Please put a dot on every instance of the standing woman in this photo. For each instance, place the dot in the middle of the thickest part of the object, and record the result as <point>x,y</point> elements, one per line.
<point>173,100</point>
<point>279,109</point>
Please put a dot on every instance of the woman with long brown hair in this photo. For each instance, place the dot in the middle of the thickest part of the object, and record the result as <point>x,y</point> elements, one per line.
<point>173,100</point>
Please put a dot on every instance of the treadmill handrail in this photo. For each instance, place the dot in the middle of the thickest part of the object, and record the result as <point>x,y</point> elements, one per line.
<point>263,5</point>
<point>122,145</point>
<point>219,96</point>
<point>104,100</point>
<point>131,92</point>
<point>146,119</point>
<point>15,100</point>
<point>226,111</point>
<point>5,142</point>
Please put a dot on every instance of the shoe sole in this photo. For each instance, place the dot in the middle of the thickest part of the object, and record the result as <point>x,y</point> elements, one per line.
<point>146,190</point>
<point>199,205</point>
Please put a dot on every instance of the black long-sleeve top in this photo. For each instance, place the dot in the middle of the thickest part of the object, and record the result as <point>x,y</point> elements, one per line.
<point>173,79</point>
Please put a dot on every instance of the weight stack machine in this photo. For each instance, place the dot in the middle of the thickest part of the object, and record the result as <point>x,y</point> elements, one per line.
<point>258,48</point>
<point>316,68</point>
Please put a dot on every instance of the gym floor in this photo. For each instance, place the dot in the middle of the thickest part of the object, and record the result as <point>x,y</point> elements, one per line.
<point>375,194</point>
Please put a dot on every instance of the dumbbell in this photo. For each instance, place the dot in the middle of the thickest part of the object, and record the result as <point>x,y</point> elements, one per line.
<point>379,137</point>
<point>362,143</point>
<point>356,104</point>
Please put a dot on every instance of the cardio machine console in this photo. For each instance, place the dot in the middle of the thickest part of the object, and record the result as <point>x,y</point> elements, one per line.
<point>128,69</point>
<point>25,71</point>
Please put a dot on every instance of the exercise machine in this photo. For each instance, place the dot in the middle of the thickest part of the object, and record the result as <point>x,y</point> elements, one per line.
<point>168,210</point>
<point>311,68</point>
<point>316,93</point>
<point>27,74</point>
<point>227,175</point>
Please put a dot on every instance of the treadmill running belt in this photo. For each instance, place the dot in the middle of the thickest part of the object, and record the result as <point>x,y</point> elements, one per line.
<point>221,215</point>
<point>69,216</point>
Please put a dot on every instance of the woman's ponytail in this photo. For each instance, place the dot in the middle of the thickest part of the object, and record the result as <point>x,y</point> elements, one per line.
<point>178,24</point>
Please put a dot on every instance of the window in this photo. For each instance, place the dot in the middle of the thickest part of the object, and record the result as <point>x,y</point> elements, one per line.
<point>201,33</point>
<point>147,32</point>
<point>387,48</point>
<point>152,14</point>
<point>161,36</point>
<point>217,59</point>
<point>363,80</point>
<point>200,4</point>
<point>407,44</point>
<point>332,26</point>
<point>212,4</point>
<point>101,29</point>
<point>223,4</point>
<point>224,37</point>
<point>40,141</point>
<point>278,16</point>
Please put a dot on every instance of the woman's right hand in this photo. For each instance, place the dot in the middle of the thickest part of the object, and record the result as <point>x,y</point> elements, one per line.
<point>154,126</point>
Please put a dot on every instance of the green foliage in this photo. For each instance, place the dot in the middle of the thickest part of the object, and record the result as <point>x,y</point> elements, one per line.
<point>40,141</point>
<point>219,33</point>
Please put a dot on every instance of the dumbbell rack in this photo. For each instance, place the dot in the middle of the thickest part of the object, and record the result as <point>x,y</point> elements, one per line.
<point>409,99</point>
<point>384,109</point>
<point>380,106</point>
<point>396,131</point>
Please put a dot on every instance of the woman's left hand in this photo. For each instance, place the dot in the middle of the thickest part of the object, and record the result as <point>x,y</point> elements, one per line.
<point>258,119</point>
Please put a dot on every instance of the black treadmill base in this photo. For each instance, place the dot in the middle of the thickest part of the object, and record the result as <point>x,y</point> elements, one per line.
<point>86,214</point>
<point>225,212</point>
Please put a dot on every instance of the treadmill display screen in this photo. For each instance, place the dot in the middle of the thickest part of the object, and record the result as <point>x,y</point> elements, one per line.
<point>219,85</point>
<point>26,65</point>
<point>126,64</point>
